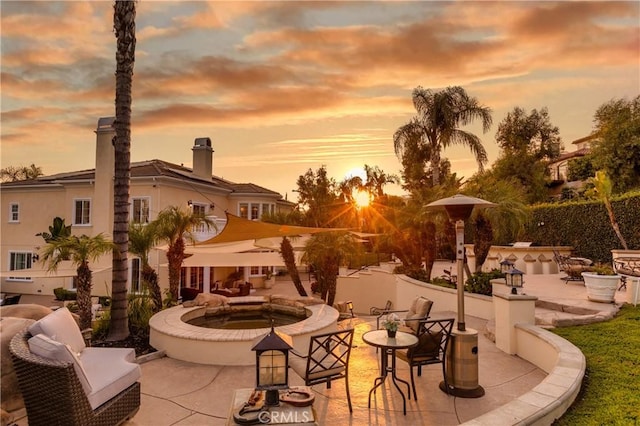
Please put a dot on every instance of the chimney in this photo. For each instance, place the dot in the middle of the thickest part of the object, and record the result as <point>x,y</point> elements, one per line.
<point>102,200</point>
<point>203,158</point>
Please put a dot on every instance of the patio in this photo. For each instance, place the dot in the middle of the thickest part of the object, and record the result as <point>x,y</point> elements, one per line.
<point>181,393</point>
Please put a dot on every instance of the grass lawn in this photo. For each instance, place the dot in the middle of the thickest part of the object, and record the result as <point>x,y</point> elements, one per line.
<point>610,393</point>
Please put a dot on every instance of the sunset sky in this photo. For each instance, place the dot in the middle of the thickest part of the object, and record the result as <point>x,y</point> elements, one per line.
<point>281,87</point>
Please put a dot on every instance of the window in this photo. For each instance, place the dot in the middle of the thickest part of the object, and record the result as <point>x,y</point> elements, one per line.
<point>19,260</point>
<point>140,210</point>
<point>136,276</point>
<point>14,212</point>
<point>82,214</point>
<point>254,211</point>
<point>199,210</point>
<point>255,270</point>
<point>244,210</point>
<point>197,277</point>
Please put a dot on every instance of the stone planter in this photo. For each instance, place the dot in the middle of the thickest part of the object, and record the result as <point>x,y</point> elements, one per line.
<point>601,288</point>
<point>268,283</point>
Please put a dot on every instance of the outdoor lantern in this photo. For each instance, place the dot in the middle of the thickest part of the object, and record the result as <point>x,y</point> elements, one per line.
<point>272,364</point>
<point>506,265</point>
<point>514,279</point>
<point>349,305</point>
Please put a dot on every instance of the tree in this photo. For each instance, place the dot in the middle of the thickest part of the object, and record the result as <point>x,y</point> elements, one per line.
<point>326,252</point>
<point>14,174</point>
<point>175,226</point>
<point>616,151</point>
<point>317,196</point>
<point>57,231</point>
<point>142,238</point>
<point>602,189</point>
<point>500,224</point>
<point>436,127</point>
<point>80,250</point>
<point>124,26</point>
<point>286,251</point>
<point>377,179</point>
<point>528,142</point>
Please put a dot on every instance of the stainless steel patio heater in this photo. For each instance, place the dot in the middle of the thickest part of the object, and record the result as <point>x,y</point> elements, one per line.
<point>462,357</point>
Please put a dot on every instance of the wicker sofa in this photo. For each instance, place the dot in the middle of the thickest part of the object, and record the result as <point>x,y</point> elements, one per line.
<point>59,391</point>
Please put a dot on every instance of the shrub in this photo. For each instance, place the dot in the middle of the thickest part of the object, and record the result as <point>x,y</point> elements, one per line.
<point>101,325</point>
<point>415,273</point>
<point>64,294</point>
<point>140,312</point>
<point>480,282</point>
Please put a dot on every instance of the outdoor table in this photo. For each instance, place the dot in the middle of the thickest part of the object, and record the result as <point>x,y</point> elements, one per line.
<point>388,346</point>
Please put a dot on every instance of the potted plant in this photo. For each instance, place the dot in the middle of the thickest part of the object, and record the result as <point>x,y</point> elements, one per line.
<point>601,284</point>
<point>269,279</point>
<point>391,324</point>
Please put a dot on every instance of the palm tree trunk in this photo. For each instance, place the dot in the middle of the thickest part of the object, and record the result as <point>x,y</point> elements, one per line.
<point>614,225</point>
<point>286,251</point>
<point>332,282</point>
<point>125,29</point>
<point>83,293</point>
<point>175,255</point>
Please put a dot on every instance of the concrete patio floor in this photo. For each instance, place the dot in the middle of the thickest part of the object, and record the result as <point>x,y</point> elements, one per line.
<point>180,393</point>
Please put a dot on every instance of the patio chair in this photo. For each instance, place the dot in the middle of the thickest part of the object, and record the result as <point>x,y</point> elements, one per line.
<point>433,342</point>
<point>11,300</point>
<point>54,395</point>
<point>376,311</point>
<point>419,310</point>
<point>572,266</point>
<point>326,361</point>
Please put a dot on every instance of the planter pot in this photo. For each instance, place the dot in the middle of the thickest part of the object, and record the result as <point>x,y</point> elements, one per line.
<point>601,288</point>
<point>391,333</point>
<point>269,283</point>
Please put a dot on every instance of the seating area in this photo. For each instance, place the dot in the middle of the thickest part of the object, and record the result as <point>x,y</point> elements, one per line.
<point>418,311</point>
<point>573,267</point>
<point>14,299</point>
<point>67,383</point>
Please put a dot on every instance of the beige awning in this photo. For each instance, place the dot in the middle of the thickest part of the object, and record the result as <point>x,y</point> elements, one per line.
<point>234,259</point>
<point>239,229</point>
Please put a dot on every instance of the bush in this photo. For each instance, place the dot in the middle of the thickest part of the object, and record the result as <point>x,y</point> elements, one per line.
<point>140,312</point>
<point>101,326</point>
<point>415,273</point>
<point>64,294</point>
<point>480,282</point>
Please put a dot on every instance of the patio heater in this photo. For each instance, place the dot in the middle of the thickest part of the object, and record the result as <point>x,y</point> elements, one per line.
<point>462,358</point>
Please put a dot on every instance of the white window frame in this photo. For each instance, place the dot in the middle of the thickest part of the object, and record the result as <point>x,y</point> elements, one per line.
<point>75,211</point>
<point>260,208</point>
<point>28,263</point>
<point>14,215</point>
<point>140,216</point>
<point>201,227</point>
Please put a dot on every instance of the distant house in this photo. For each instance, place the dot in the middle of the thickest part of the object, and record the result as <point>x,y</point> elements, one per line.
<point>558,168</point>
<point>85,200</point>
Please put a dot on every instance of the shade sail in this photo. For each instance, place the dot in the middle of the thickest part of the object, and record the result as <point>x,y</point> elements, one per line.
<point>239,229</point>
<point>234,259</point>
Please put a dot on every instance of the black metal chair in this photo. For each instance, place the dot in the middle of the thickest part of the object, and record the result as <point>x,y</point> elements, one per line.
<point>418,311</point>
<point>326,361</point>
<point>572,266</point>
<point>378,311</point>
<point>433,342</point>
<point>11,300</point>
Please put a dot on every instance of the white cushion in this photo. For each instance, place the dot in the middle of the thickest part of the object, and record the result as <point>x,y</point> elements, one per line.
<point>45,347</point>
<point>110,371</point>
<point>60,326</point>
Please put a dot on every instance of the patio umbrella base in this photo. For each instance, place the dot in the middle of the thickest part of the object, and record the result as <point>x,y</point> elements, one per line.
<point>462,393</point>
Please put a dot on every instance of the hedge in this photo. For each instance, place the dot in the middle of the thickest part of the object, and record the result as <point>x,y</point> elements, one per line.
<point>585,226</point>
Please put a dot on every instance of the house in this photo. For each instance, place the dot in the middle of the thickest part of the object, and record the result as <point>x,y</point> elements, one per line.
<point>558,168</point>
<point>85,200</point>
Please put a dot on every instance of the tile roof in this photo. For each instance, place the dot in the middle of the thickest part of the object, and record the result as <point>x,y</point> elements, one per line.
<point>149,168</point>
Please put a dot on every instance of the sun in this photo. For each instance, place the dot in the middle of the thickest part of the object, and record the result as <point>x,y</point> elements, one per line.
<point>361,198</point>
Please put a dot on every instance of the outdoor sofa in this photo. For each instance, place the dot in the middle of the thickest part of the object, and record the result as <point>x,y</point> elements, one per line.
<point>63,382</point>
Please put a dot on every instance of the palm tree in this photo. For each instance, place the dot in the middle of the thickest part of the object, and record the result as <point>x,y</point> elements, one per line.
<point>175,226</point>
<point>124,25</point>
<point>326,251</point>
<point>80,250</point>
<point>377,179</point>
<point>13,174</point>
<point>286,251</point>
<point>602,189</point>
<point>435,127</point>
<point>500,224</point>
<point>142,238</point>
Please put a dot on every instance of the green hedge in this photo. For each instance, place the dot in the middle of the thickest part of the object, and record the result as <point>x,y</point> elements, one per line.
<point>586,227</point>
